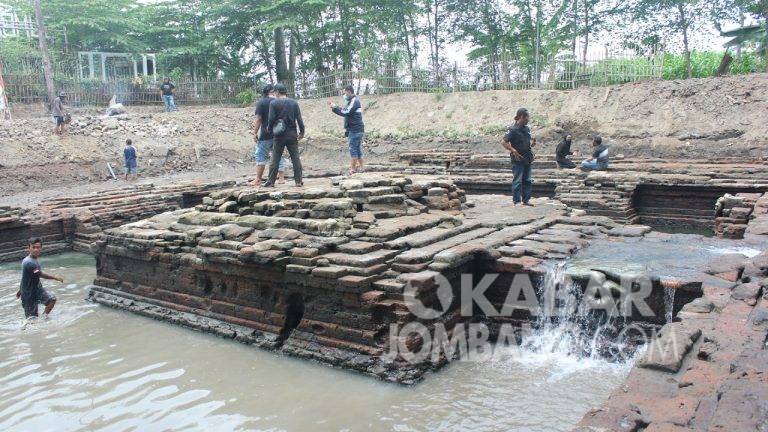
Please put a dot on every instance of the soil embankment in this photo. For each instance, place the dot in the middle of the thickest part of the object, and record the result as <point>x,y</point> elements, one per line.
<point>699,118</point>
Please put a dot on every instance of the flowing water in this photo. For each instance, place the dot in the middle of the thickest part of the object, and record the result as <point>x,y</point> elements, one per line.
<point>93,368</point>
<point>661,254</point>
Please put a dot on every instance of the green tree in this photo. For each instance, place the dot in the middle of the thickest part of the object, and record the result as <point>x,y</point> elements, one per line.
<point>661,19</point>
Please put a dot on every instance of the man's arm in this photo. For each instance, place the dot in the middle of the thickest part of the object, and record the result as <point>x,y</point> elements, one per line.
<point>505,143</point>
<point>51,277</point>
<point>256,127</point>
<point>351,107</point>
<point>300,121</point>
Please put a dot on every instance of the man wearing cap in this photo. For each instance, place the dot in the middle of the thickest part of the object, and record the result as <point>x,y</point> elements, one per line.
<point>57,111</point>
<point>519,143</point>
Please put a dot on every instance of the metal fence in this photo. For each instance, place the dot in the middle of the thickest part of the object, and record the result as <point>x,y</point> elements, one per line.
<point>553,72</point>
<point>95,92</point>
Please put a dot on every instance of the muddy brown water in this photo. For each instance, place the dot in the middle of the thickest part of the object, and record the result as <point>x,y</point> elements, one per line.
<point>93,368</point>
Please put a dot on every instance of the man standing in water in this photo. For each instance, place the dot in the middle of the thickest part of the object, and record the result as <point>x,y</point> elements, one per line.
<point>284,116</point>
<point>354,129</point>
<point>31,291</point>
<point>519,143</point>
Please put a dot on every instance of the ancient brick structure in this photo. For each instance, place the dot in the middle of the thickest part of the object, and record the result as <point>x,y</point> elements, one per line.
<point>321,272</point>
<point>655,192</point>
<point>708,370</point>
<point>74,222</point>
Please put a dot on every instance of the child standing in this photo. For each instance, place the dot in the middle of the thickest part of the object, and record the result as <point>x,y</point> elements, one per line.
<point>129,152</point>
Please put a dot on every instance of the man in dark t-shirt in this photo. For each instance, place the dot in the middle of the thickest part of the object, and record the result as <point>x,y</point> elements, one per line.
<point>285,114</point>
<point>31,291</point>
<point>263,135</point>
<point>520,145</point>
<point>167,90</point>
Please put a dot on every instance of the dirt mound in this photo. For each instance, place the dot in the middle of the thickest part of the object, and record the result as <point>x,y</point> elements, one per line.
<point>666,119</point>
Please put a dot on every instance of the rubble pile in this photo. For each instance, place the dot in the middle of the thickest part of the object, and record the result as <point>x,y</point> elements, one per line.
<point>733,213</point>
<point>156,125</point>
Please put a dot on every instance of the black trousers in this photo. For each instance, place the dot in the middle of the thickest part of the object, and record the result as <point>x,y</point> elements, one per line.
<point>565,163</point>
<point>290,141</point>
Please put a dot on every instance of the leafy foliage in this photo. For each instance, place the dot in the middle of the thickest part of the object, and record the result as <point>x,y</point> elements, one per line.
<point>301,40</point>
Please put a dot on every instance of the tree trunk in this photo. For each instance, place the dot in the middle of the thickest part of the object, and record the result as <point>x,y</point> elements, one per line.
<point>266,57</point>
<point>280,66</point>
<point>684,26</point>
<point>406,35</point>
<point>42,40</point>
<point>292,50</point>
<point>435,39</point>
<point>575,27</point>
<point>346,45</point>
<point>585,48</point>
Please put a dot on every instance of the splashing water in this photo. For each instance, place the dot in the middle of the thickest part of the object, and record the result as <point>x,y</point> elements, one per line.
<point>564,340</point>
<point>669,304</point>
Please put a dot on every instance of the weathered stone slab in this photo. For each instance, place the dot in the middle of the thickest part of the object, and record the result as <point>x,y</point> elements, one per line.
<point>667,351</point>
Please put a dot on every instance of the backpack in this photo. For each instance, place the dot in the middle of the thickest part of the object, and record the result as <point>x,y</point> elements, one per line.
<point>279,128</point>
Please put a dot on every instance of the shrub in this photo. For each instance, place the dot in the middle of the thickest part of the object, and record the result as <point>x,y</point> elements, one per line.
<point>705,63</point>
<point>245,97</point>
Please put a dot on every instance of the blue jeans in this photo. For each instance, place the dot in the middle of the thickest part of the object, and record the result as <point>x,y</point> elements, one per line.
<point>170,105</point>
<point>593,164</point>
<point>263,150</point>
<point>522,184</point>
<point>355,141</point>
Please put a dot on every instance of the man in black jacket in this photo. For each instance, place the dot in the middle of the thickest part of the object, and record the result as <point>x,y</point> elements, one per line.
<point>284,113</point>
<point>519,143</point>
<point>563,151</point>
<point>354,129</point>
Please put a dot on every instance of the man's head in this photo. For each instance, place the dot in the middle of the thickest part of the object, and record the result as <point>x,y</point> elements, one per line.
<point>166,80</point>
<point>349,91</point>
<point>280,89</point>
<point>597,140</point>
<point>268,90</point>
<point>62,95</point>
<point>35,246</point>
<point>568,137</point>
<point>521,117</point>
<point>128,142</point>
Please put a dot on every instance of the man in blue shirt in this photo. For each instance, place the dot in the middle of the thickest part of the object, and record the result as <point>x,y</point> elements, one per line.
<point>129,153</point>
<point>354,129</point>
<point>31,291</point>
